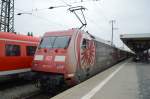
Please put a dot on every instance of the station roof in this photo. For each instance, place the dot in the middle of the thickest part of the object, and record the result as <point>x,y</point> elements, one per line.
<point>136,42</point>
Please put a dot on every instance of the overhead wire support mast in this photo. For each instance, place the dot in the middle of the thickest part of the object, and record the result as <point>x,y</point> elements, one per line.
<point>7,16</point>
<point>112,35</point>
<point>81,8</point>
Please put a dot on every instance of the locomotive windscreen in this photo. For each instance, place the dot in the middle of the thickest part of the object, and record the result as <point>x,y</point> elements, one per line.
<point>55,42</point>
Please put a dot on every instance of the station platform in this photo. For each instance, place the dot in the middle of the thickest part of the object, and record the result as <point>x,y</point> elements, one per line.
<point>125,80</point>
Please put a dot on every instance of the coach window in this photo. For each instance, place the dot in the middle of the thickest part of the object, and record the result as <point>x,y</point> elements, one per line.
<point>30,50</point>
<point>12,50</point>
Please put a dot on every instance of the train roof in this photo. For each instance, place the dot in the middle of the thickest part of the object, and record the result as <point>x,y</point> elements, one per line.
<point>61,32</point>
<point>69,32</point>
<point>97,38</point>
<point>109,43</point>
<point>102,41</point>
<point>13,36</point>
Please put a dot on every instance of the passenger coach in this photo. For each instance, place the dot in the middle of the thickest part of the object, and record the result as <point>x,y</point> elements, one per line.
<point>16,53</point>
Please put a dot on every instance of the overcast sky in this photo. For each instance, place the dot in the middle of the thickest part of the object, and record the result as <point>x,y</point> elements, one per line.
<point>132,16</point>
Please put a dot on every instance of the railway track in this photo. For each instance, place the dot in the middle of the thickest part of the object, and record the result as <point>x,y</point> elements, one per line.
<point>20,92</point>
<point>10,83</point>
<point>45,95</point>
<point>40,95</point>
<point>16,89</point>
<point>23,89</point>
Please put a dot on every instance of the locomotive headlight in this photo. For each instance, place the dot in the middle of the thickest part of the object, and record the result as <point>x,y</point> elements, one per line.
<point>70,75</point>
<point>60,58</point>
<point>38,57</point>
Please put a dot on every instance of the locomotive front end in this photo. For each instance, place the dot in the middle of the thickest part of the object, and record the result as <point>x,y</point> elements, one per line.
<point>52,59</point>
<point>51,54</point>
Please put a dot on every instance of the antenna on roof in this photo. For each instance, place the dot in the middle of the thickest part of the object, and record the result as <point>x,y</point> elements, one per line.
<point>81,9</point>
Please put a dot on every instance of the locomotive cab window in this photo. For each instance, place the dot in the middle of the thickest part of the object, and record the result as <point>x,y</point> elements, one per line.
<point>30,50</point>
<point>12,50</point>
<point>55,42</point>
<point>84,43</point>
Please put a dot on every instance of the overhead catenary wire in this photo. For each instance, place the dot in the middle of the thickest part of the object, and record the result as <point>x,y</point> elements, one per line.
<point>66,5</point>
<point>59,6</point>
<point>40,17</point>
<point>90,20</point>
<point>69,4</point>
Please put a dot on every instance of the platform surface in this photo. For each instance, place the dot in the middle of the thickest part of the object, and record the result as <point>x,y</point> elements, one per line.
<point>126,80</point>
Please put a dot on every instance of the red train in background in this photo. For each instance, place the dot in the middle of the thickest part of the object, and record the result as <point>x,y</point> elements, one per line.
<point>16,53</point>
<point>71,56</point>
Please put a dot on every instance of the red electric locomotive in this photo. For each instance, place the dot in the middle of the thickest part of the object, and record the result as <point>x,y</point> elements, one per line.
<point>16,53</point>
<point>71,56</point>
